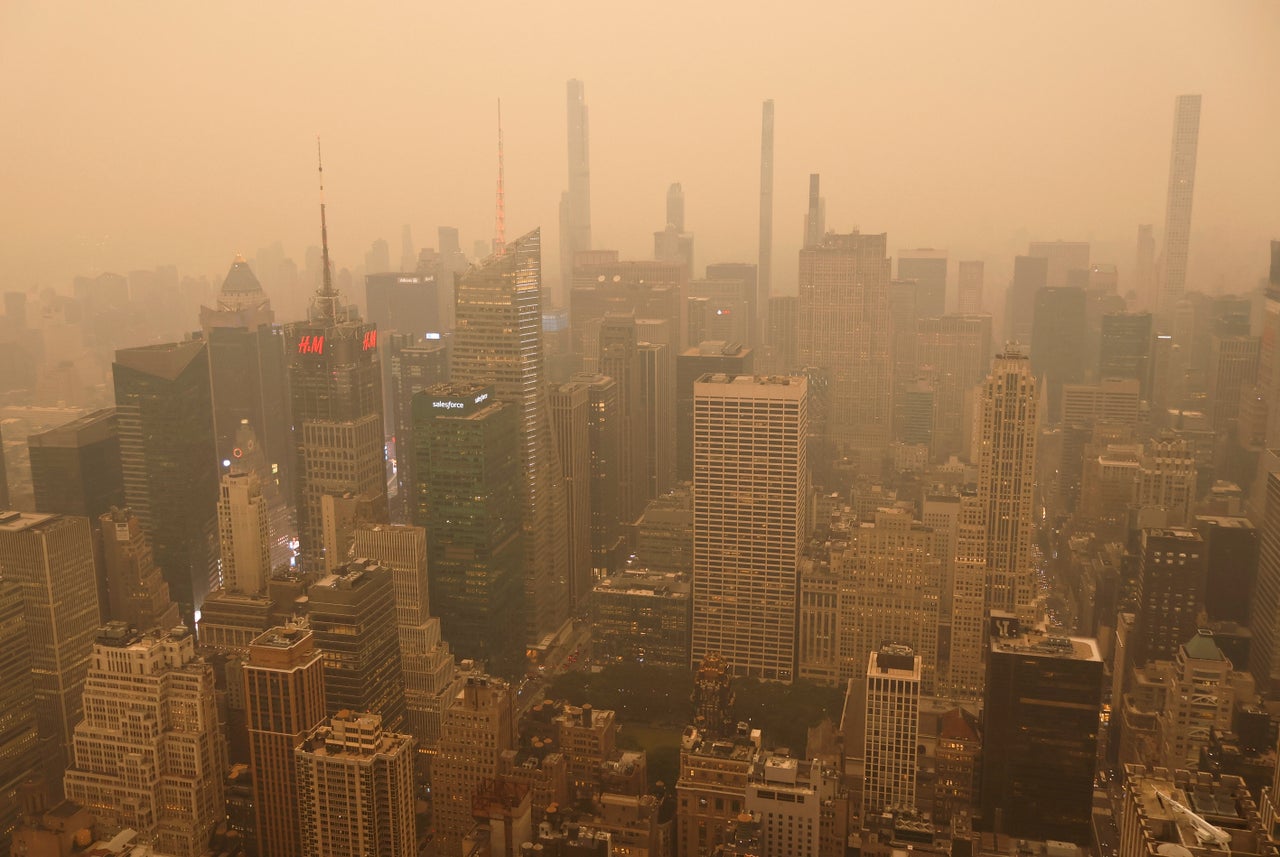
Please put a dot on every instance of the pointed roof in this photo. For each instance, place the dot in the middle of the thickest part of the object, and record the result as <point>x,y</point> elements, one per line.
<point>166,361</point>
<point>241,282</point>
<point>1201,647</point>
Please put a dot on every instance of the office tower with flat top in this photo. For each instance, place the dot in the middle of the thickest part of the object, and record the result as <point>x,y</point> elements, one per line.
<point>51,558</point>
<point>971,275</point>
<point>355,789</point>
<point>424,657</point>
<point>75,468</point>
<point>284,692</point>
<point>1040,734</point>
<point>469,501</point>
<point>353,616</point>
<point>245,532</point>
<point>19,735</point>
<point>498,341</point>
<point>168,455</point>
<point>928,267</point>
<point>751,517</point>
<point>891,729</point>
<point>845,331</point>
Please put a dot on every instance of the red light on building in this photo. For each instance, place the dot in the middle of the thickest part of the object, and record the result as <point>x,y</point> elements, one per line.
<point>311,345</point>
<point>370,340</point>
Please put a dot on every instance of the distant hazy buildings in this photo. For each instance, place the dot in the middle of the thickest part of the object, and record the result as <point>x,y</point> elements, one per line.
<point>749,440</point>
<point>575,203</point>
<point>765,262</point>
<point>1177,213</point>
<point>169,460</point>
<point>845,330</point>
<point>971,275</point>
<point>928,267</point>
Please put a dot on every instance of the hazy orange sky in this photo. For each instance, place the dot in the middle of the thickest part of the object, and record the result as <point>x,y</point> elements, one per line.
<point>138,134</point>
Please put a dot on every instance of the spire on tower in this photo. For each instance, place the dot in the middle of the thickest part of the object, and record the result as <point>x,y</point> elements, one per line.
<point>326,298</point>
<point>500,217</point>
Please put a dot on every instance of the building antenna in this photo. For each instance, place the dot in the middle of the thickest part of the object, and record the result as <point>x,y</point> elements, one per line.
<point>500,215</point>
<point>326,297</point>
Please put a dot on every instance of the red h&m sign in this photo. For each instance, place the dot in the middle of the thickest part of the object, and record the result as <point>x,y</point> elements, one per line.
<point>311,345</point>
<point>370,340</point>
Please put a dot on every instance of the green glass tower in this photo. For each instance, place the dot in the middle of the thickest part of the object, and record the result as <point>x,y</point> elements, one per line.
<point>468,499</point>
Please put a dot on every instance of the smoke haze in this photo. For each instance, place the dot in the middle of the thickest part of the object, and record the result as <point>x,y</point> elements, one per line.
<point>139,134</point>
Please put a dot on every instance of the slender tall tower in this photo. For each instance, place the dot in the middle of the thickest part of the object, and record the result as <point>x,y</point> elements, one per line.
<point>575,204</point>
<point>335,386</point>
<point>498,341</point>
<point>1006,479</point>
<point>815,221</point>
<point>765,267</point>
<point>1177,212</point>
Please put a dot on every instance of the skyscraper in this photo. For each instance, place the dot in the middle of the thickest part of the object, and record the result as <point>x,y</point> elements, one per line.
<point>335,389</point>
<point>1144,266</point>
<point>425,660</point>
<point>1231,562</point>
<point>970,287</point>
<point>1058,329</point>
<point>51,558</point>
<point>672,243</point>
<point>749,442</point>
<point>953,353</point>
<point>571,421</point>
<point>603,285</point>
<point>19,733</point>
<point>928,267</point>
<point>845,330</point>
<point>148,756</point>
<point>469,501</point>
<point>1124,349</point>
<point>1171,592</point>
<point>1067,260</point>
<point>244,530</point>
<point>815,219</point>
<point>891,728</point>
<point>1040,735</point>
<point>1177,212</point>
<point>169,460</point>
<point>722,357</point>
<point>479,725</point>
<point>620,360</point>
<point>604,435</point>
<point>355,789</point>
<point>415,366</point>
<point>137,594</point>
<point>765,264</point>
<point>284,693</point>
<point>1030,275</point>
<point>498,341</point>
<point>75,468</point>
<point>246,369</point>
<point>353,616</point>
<point>1006,480</point>
<point>575,204</point>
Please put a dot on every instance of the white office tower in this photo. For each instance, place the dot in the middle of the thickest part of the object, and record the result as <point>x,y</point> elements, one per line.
<point>891,730</point>
<point>750,519</point>
<point>149,755</point>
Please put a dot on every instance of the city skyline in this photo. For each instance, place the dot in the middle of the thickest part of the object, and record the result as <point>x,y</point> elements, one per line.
<point>1102,183</point>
